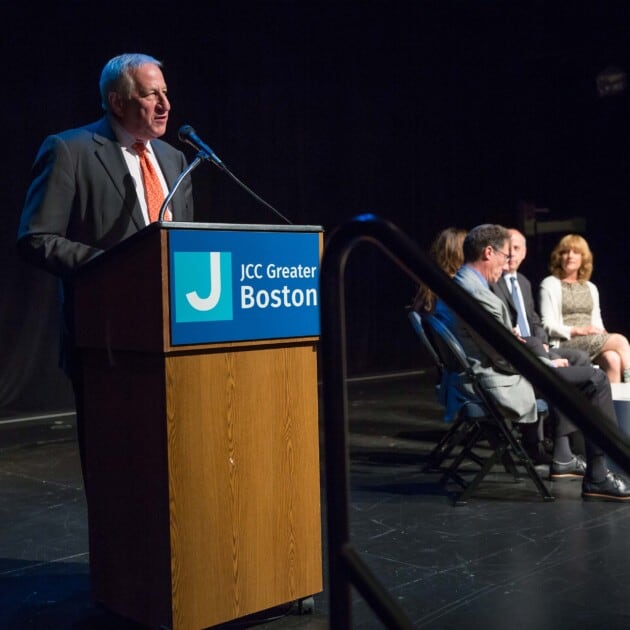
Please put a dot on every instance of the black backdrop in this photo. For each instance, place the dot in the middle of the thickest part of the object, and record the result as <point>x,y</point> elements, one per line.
<point>426,113</point>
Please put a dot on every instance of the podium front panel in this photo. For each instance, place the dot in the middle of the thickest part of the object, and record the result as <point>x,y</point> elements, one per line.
<point>203,458</point>
<point>242,285</point>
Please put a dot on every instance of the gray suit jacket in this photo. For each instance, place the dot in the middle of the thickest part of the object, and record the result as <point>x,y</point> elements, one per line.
<point>82,201</point>
<point>82,198</point>
<point>513,394</point>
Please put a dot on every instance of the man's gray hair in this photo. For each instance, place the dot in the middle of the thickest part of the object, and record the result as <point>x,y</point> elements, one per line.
<point>482,236</point>
<point>116,75</point>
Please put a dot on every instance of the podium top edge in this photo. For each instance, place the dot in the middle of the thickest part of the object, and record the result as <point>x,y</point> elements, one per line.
<point>182,225</point>
<point>250,227</point>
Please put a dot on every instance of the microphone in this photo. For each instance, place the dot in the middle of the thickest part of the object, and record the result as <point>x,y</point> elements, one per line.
<point>188,135</point>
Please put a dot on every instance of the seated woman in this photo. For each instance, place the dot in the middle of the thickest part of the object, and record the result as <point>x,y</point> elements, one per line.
<point>447,250</point>
<point>570,311</point>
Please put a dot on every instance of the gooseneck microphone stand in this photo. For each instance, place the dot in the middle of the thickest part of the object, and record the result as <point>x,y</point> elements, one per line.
<point>206,154</point>
<point>191,167</point>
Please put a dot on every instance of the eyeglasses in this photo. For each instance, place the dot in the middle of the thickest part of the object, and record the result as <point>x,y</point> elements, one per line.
<point>508,257</point>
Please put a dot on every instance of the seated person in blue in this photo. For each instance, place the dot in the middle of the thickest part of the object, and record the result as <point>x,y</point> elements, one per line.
<point>486,256</point>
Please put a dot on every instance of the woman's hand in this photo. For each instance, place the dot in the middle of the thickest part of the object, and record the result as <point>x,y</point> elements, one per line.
<point>580,331</point>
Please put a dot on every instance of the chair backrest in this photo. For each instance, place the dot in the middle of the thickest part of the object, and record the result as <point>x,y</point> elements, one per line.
<point>455,361</point>
<point>471,405</point>
<point>416,322</point>
<point>447,346</point>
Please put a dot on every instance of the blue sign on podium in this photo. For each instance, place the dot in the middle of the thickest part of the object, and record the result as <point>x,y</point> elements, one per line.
<point>241,285</point>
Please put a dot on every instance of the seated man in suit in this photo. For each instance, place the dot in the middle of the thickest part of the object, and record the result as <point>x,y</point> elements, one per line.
<point>516,292</point>
<point>486,256</point>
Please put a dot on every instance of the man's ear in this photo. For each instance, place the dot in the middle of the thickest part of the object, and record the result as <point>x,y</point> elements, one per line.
<point>115,103</point>
<point>487,251</point>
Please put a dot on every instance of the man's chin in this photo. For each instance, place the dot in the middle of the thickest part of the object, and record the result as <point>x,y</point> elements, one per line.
<point>158,130</point>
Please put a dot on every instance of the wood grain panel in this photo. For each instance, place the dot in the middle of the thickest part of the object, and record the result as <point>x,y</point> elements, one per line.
<point>243,481</point>
<point>127,475</point>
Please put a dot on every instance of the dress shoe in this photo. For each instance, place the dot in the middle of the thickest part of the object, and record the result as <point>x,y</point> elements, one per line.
<point>615,487</point>
<point>572,469</point>
<point>547,445</point>
<point>537,453</point>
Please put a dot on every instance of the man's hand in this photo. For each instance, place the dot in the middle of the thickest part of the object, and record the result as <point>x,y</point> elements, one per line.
<point>560,362</point>
<point>515,333</point>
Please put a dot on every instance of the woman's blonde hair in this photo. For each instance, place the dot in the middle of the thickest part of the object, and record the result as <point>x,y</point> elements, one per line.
<point>578,244</point>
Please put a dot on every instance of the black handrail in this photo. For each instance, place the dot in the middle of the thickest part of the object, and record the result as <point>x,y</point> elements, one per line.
<point>346,569</point>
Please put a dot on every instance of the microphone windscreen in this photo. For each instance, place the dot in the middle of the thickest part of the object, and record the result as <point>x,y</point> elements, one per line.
<point>184,132</point>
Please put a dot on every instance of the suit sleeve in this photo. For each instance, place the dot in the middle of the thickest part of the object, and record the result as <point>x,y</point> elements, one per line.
<point>536,328</point>
<point>48,210</point>
<point>497,309</point>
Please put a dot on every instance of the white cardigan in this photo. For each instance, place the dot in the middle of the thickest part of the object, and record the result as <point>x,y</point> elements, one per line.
<point>551,309</point>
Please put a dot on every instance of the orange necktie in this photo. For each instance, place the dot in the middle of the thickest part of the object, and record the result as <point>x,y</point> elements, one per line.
<point>153,192</point>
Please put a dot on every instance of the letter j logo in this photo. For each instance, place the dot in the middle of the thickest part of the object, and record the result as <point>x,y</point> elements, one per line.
<point>203,286</point>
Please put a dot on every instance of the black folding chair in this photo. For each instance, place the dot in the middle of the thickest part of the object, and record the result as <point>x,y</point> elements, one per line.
<point>461,425</point>
<point>466,421</point>
<point>479,420</point>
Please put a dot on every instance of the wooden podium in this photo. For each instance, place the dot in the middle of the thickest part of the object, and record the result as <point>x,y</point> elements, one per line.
<point>202,459</point>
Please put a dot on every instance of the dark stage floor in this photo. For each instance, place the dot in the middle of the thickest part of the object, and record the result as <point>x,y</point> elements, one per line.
<point>504,560</point>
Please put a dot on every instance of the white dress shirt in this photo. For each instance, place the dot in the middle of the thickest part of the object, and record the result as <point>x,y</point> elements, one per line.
<point>132,160</point>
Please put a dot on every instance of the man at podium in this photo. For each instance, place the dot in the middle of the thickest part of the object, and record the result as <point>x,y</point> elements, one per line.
<point>97,185</point>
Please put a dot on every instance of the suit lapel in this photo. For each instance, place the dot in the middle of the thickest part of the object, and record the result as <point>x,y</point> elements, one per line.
<point>528,298</point>
<point>502,287</point>
<point>109,154</point>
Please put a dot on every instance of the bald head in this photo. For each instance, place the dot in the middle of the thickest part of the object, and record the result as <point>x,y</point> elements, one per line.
<point>518,249</point>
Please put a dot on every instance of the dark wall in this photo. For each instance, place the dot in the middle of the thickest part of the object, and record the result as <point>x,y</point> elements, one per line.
<point>426,113</point>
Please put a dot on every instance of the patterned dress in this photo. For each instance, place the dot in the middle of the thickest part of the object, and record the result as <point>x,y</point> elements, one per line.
<point>577,305</point>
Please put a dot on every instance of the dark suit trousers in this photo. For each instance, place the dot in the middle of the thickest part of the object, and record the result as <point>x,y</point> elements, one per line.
<point>574,357</point>
<point>595,386</point>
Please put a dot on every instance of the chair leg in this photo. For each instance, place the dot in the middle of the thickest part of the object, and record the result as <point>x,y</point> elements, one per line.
<point>451,472</point>
<point>532,472</point>
<point>451,439</point>
<point>494,459</point>
<point>507,460</point>
<point>505,449</point>
<point>523,458</point>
